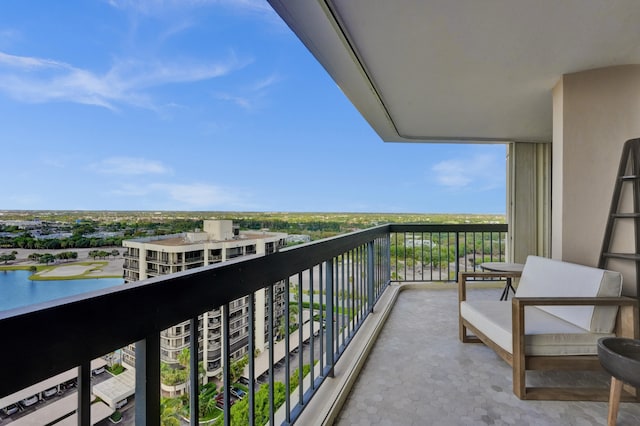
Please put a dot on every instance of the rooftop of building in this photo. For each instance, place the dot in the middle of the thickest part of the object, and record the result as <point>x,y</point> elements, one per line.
<point>184,239</point>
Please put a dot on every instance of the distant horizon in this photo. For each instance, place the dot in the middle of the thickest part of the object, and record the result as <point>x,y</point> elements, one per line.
<point>3,211</point>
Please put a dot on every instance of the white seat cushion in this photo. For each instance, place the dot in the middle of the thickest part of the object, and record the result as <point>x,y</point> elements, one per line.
<point>546,334</point>
<point>542,277</point>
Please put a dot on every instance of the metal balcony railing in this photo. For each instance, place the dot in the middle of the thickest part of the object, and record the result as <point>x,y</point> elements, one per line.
<point>337,282</point>
<point>439,252</point>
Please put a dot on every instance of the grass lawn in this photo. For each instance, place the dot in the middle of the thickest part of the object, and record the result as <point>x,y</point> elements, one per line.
<point>92,267</point>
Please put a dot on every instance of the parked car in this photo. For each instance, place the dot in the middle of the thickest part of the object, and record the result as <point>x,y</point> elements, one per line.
<point>70,383</point>
<point>97,371</point>
<point>237,392</point>
<point>244,381</point>
<point>27,402</point>
<point>220,401</point>
<point>10,409</point>
<point>50,392</point>
<point>121,403</point>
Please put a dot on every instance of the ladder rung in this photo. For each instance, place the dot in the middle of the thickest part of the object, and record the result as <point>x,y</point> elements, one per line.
<point>625,215</point>
<point>630,177</point>
<point>625,256</point>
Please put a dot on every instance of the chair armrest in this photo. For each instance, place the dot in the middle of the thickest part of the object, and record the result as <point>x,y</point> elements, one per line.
<point>462,280</point>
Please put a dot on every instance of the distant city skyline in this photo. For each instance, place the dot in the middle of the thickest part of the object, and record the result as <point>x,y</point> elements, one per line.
<point>198,105</point>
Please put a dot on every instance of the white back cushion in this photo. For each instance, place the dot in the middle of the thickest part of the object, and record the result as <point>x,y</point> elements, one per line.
<point>544,277</point>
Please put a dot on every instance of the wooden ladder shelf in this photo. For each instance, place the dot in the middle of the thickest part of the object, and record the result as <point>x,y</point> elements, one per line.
<point>628,174</point>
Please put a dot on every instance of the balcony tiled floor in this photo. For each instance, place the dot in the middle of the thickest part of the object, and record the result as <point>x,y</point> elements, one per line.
<point>419,373</point>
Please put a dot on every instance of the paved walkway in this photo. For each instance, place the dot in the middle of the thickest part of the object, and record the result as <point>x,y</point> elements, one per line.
<point>420,374</point>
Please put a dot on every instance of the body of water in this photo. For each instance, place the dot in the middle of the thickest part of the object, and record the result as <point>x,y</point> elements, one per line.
<point>16,289</point>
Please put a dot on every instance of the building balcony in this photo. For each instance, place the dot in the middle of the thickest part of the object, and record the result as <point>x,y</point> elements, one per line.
<point>383,295</point>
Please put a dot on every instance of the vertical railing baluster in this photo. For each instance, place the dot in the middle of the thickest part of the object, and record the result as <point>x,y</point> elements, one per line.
<point>226,367</point>
<point>475,261</point>
<point>483,240</point>
<point>312,330</point>
<point>329,316</point>
<point>404,246</point>
<point>270,308</point>
<point>300,339</point>
<point>431,243</point>
<point>193,373</point>
<point>323,318</point>
<point>355,287</point>
<point>341,300</point>
<point>349,292</point>
<point>388,269</point>
<point>323,321</point>
<point>456,254</point>
<point>287,352</point>
<point>336,305</point>
<point>422,256</point>
<point>148,381</point>
<point>466,251</point>
<point>396,253</point>
<point>363,285</point>
<point>84,394</point>
<point>252,352</point>
<point>370,277</point>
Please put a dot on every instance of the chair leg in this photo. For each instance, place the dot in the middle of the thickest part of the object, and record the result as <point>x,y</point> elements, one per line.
<point>614,401</point>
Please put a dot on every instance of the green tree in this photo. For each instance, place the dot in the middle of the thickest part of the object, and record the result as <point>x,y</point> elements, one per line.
<point>4,257</point>
<point>293,379</point>
<point>240,410</point>
<point>46,258</point>
<point>237,368</point>
<point>169,408</point>
<point>206,405</point>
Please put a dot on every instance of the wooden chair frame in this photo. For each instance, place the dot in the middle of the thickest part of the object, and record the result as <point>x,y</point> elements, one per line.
<point>626,326</point>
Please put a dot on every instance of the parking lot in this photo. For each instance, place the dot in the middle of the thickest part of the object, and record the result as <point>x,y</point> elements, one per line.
<point>34,404</point>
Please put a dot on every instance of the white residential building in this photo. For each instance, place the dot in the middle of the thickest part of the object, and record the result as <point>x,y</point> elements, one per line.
<point>219,241</point>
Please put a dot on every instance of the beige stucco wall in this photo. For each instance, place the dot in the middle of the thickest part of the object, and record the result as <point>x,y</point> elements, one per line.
<point>595,112</point>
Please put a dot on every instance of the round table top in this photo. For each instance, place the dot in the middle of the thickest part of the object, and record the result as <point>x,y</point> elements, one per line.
<point>620,357</point>
<point>502,266</point>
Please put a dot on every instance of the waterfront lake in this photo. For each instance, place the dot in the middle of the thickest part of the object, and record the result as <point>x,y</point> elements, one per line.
<point>16,289</point>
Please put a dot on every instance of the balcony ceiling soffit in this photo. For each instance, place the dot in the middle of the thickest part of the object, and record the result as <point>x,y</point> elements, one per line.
<point>429,70</point>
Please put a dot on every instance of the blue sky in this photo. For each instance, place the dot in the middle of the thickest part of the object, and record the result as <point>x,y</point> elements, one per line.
<point>202,105</point>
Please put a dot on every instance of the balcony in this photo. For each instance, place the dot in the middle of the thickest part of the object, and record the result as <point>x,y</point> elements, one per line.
<point>416,368</point>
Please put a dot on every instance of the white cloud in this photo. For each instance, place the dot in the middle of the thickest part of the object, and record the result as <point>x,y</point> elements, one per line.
<point>38,80</point>
<point>8,36</point>
<point>129,190</point>
<point>479,172</point>
<point>199,195</point>
<point>58,162</point>
<point>252,95</point>
<point>130,166</point>
<point>265,83</point>
<point>243,102</point>
<point>29,63</point>
<point>179,196</point>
